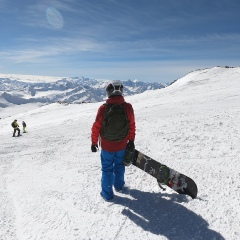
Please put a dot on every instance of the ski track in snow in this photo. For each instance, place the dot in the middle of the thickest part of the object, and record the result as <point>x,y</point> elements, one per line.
<point>50,180</point>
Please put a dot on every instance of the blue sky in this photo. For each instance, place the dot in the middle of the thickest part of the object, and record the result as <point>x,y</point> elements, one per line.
<point>148,40</point>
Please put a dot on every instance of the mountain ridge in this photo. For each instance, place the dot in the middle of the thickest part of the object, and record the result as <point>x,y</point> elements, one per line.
<point>19,89</point>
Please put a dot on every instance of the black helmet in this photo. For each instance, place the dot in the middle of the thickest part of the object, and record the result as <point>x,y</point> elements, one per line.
<point>114,88</point>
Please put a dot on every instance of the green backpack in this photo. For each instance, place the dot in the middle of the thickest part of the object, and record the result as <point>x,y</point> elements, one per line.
<point>115,125</point>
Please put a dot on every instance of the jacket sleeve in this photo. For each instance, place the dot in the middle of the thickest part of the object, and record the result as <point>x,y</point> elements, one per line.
<point>97,125</point>
<point>131,118</point>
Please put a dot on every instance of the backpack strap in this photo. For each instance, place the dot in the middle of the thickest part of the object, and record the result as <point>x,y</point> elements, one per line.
<point>108,106</point>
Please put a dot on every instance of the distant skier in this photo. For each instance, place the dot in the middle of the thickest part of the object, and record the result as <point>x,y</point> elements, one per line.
<point>115,127</point>
<point>24,126</point>
<point>16,128</point>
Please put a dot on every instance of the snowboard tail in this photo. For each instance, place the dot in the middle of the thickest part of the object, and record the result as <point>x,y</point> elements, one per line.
<point>177,181</point>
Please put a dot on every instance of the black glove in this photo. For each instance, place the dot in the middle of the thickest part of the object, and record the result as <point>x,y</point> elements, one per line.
<point>130,145</point>
<point>94,147</point>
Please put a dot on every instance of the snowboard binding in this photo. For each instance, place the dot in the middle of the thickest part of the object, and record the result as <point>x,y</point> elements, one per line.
<point>163,174</point>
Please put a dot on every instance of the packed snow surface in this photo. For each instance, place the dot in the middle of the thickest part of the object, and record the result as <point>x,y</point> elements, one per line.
<point>50,179</point>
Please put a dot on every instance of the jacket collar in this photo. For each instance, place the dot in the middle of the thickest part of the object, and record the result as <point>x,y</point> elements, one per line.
<point>116,99</point>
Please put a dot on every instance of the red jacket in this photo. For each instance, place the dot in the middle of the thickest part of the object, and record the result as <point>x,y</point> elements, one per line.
<point>97,125</point>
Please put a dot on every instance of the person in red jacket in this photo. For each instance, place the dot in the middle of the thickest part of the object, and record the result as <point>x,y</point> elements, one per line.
<point>112,153</point>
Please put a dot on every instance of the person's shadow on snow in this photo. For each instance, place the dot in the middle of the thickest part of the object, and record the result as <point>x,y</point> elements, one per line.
<point>161,214</point>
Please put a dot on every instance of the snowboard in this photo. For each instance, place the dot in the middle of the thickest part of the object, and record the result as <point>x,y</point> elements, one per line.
<point>177,181</point>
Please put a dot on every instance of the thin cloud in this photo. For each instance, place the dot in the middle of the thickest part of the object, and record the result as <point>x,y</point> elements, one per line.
<point>38,50</point>
<point>41,53</point>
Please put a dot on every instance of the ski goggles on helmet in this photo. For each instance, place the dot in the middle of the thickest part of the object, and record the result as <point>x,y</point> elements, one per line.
<point>114,88</point>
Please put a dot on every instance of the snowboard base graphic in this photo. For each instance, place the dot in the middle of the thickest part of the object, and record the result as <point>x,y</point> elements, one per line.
<point>177,181</point>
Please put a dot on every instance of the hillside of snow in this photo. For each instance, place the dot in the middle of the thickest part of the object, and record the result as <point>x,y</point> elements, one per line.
<point>50,179</point>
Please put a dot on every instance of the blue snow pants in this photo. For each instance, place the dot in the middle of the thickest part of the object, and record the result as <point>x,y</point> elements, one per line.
<point>112,172</point>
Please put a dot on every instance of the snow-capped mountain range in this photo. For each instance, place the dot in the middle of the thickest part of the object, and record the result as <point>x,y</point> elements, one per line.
<point>22,89</point>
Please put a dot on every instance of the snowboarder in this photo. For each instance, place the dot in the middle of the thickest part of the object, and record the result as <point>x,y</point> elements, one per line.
<point>16,128</point>
<point>24,126</point>
<point>115,135</point>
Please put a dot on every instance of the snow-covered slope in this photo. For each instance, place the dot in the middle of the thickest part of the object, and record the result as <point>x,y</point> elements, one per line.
<point>50,179</point>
